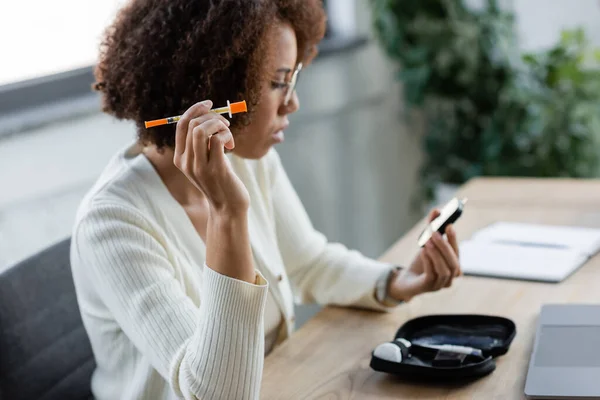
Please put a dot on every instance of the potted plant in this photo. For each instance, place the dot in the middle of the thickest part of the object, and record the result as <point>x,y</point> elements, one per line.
<point>488,109</point>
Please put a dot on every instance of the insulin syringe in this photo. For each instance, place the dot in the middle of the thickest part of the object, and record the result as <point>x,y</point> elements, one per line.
<point>230,108</point>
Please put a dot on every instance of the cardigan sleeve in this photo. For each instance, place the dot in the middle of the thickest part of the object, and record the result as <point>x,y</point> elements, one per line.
<point>214,351</point>
<point>320,271</point>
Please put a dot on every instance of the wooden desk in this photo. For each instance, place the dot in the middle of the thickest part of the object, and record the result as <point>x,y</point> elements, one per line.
<point>329,357</point>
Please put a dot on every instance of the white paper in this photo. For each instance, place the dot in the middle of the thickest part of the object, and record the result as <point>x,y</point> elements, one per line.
<point>528,251</point>
<point>508,261</point>
<point>586,240</point>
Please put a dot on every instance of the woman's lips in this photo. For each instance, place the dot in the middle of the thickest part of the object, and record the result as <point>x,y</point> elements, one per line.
<point>279,135</point>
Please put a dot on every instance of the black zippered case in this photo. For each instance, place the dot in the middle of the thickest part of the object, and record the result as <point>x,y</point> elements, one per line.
<point>418,360</point>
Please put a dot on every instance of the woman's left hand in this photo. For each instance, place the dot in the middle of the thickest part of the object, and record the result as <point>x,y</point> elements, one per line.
<point>433,269</point>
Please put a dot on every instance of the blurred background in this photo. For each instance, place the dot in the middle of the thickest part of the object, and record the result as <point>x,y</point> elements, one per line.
<point>407,100</point>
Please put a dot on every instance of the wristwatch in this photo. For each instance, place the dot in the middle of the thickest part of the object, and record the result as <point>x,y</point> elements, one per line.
<point>381,289</point>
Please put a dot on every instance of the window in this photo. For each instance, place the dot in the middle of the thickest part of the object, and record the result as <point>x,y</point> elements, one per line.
<point>48,37</point>
<point>341,17</point>
<point>52,46</point>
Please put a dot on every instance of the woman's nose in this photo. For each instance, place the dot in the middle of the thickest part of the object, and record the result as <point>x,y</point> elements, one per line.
<point>292,106</point>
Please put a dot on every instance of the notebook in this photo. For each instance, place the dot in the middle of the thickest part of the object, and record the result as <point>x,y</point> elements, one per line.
<point>528,251</point>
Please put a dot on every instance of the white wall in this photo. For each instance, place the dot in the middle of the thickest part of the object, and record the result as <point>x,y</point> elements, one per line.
<point>540,21</point>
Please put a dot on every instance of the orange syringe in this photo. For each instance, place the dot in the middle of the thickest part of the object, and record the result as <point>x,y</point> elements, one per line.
<point>231,108</point>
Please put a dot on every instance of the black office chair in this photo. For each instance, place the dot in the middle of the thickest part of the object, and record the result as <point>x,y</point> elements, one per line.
<point>45,353</point>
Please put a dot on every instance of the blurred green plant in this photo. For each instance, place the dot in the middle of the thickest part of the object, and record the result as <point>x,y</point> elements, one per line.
<point>490,110</point>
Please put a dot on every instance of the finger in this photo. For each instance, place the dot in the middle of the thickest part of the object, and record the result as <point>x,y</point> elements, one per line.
<point>202,134</point>
<point>188,153</point>
<point>193,117</point>
<point>182,139</point>
<point>439,265</point>
<point>229,144</point>
<point>198,123</point>
<point>200,119</point>
<point>183,125</point>
<point>433,215</point>
<point>196,110</point>
<point>218,142</point>
<point>451,235</point>
<point>447,252</point>
<point>210,119</point>
<point>433,280</point>
<point>428,271</point>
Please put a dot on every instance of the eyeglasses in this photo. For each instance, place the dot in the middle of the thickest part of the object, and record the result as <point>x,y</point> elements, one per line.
<point>291,86</point>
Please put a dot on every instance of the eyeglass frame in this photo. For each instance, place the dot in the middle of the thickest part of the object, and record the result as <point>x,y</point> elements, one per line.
<point>292,85</point>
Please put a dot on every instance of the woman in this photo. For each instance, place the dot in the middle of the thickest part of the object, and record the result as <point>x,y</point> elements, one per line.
<point>189,251</point>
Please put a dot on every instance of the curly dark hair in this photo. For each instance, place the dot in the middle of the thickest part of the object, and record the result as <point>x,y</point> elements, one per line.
<point>159,57</point>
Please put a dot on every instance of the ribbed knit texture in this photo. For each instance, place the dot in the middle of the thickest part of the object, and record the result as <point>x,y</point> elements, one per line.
<point>203,350</point>
<point>162,324</point>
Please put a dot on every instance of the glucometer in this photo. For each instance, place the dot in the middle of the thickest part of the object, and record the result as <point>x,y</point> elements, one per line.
<point>442,355</point>
<point>448,215</point>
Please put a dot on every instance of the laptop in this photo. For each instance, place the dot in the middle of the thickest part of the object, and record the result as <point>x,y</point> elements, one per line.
<point>565,361</point>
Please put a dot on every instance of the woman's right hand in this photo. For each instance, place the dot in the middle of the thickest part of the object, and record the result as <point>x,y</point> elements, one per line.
<point>201,139</point>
